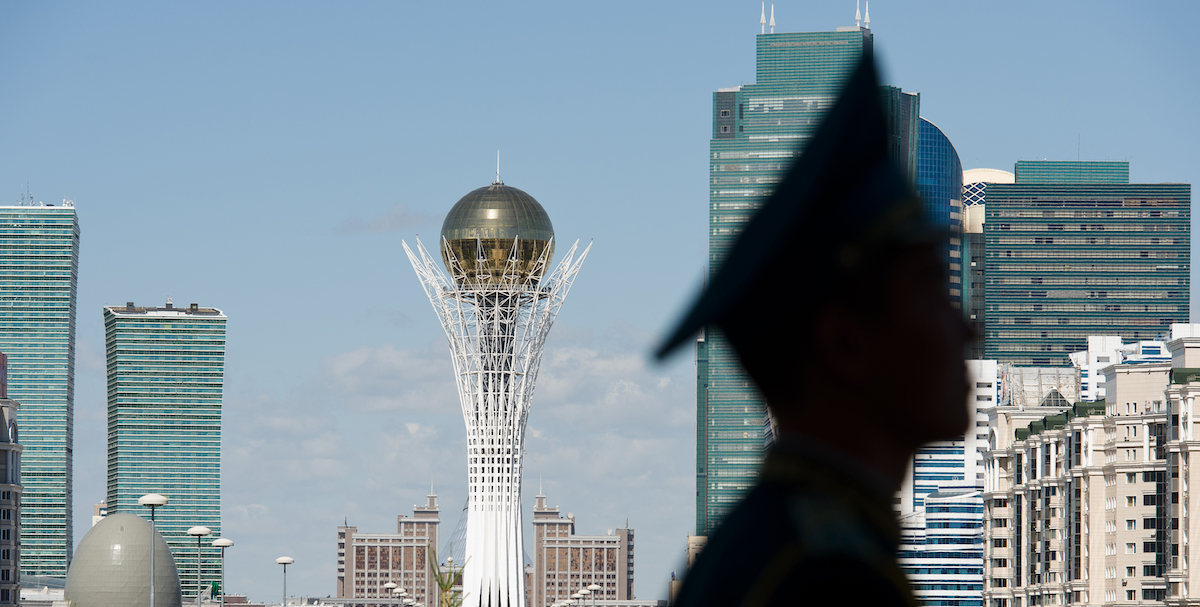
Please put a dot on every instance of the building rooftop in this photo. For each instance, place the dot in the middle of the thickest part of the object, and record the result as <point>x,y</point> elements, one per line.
<point>168,309</point>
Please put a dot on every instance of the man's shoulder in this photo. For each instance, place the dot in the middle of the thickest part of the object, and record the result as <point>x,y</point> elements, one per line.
<point>784,537</point>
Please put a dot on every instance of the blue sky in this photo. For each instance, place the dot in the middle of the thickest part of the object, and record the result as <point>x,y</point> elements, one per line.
<point>267,158</point>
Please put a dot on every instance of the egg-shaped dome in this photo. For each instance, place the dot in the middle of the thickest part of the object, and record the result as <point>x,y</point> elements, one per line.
<point>111,567</point>
<point>480,230</point>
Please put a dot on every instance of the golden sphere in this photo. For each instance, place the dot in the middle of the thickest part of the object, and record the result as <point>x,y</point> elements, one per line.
<point>480,230</point>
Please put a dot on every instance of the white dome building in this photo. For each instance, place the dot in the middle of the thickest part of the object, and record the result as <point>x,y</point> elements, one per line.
<point>111,568</point>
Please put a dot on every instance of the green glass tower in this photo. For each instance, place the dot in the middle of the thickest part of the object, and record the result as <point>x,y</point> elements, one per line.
<point>39,268</point>
<point>166,367</point>
<point>757,130</point>
<point>1073,249</point>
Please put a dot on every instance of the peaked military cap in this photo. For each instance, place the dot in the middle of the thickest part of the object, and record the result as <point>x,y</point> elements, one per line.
<point>841,204</point>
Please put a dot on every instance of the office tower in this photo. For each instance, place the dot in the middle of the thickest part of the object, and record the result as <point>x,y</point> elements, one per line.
<point>564,562</point>
<point>939,182</point>
<point>1073,249</point>
<point>496,307</point>
<point>757,130</point>
<point>941,548</point>
<point>166,367</point>
<point>368,561</point>
<point>39,263</point>
<point>10,499</point>
<point>974,200</point>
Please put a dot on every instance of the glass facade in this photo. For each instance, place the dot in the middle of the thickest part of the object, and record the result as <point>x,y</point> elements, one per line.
<point>39,268</point>
<point>1068,260</point>
<point>757,130</point>
<point>941,549</point>
<point>165,383</point>
<point>939,182</point>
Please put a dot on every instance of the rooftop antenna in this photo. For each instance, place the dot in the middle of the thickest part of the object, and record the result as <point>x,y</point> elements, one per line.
<point>772,17</point>
<point>762,19</point>
<point>857,14</point>
<point>867,16</point>
<point>497,181</point>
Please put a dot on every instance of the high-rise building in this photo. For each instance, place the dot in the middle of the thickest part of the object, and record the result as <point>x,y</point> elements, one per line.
<point>368,561</point>
<point>39,267</point>
<point>1104,351</point>
<point>564,562</point>
<point>941,548</point>
<point>496,306</point>
<point>974,200</point>
<point>166,367</point>
<point>939,182</point>
<point>1073,249</point>
<point>757,130</point>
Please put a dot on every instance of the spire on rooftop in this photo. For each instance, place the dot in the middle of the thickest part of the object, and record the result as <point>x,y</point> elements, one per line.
<point>762,18</point>
<point>857,13</point>
<point>772,17</point>
<point>867,16</point>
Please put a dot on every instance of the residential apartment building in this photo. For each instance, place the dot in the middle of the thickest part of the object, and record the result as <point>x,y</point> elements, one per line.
<point>166,368</point>
<point>39,270</point>
<point>941,548</point>
<point>10,501</point>
<point>1073,249</point>
<point>564,562</point>
<point>1083,505</point>
<point>368,561</point>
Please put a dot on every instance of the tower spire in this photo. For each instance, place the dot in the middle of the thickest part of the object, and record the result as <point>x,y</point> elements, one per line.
<point>762,18</point>
<point>497,181</point>
<point>857,13</point>
<point>867,19</point>
<point>772,17</point>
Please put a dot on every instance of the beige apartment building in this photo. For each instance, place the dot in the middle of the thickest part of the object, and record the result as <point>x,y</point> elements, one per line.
<point>1090,504</point>
<point>564,562</point>
<point>368,561</point>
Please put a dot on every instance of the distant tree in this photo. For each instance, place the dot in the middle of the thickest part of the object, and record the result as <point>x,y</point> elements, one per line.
<point>446,579</point>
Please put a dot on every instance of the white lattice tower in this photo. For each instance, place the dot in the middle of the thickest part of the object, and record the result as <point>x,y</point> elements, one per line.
<point>496,326</point>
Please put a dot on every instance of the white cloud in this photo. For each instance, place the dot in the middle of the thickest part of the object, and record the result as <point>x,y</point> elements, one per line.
<point>398,218</point>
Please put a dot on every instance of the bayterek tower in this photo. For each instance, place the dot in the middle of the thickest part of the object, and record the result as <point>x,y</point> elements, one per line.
<point>496,300</point>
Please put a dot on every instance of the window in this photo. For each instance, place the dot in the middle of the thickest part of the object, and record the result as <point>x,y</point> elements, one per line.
<point>725,129</point>
<point>1000,542</point>
<point>1130,525</point>
<point>1130,548</point>
<point>983,384</point>
<point>1131,500</point>
<point>1129,595</point>
<point>1000,563</point>
<point>999,522</point>
<point>999,582</point>
<point>1130,477</point>
<point>724,113</point>
<point>1130,572</point>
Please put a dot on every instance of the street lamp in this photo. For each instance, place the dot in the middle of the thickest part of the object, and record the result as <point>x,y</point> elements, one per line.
<point>594,588</point>
<point>285,561</point>
<point>152,501</point>
<point>222,543</point>
<point>199,531</point>
<point>391,587</point>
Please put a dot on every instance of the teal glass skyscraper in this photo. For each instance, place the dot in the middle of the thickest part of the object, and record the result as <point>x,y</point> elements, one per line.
<point>757,130</point>
<point>39,268</point>
<point>1073,249</point>
<point>166,367</point>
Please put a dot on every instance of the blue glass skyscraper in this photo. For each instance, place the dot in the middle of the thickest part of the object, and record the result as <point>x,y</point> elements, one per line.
<point>39,267</point>
<point>757,130</point>
<point>166,367</point>
<point>939,182</point>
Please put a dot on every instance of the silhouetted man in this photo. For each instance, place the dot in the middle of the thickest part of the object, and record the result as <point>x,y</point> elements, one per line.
<point>836,301</point>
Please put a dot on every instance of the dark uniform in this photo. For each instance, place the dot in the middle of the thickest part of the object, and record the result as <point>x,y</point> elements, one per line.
<point>815,530</point>
<point>810,532</point>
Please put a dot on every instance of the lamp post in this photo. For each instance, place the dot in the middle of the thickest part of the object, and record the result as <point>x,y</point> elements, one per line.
<point>593,588</point>
<point>222,543</point>
<point>391,587</point>
<point>152,501</point>
<point>199,531</point>
<point>285,561</point>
